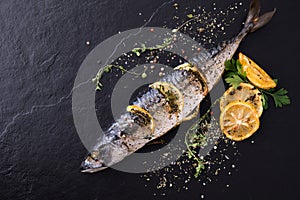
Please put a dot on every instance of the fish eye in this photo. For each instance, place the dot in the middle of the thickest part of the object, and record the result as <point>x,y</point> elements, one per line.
<point>94,155</point>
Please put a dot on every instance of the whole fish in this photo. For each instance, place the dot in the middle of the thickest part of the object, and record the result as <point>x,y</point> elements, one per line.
<point>170,101</point>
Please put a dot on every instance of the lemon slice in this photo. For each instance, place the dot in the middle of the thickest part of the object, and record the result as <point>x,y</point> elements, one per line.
<point>190,68</point>
<point>256,75</point>
<point>239,120</point>
<point>144,118</point>
<point>171,94</point>
<point>245,92</point>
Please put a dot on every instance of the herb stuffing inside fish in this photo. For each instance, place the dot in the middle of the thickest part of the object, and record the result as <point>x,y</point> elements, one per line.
<point>170,101</point>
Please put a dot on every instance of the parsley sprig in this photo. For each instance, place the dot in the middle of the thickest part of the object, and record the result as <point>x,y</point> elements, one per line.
<point>234,75</point>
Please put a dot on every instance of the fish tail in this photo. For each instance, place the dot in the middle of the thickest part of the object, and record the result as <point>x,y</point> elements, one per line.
<point>253,20</point>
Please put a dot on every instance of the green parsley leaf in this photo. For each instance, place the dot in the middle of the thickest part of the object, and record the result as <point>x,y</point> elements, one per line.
<point>234,80</point>
<point>229,74</point>
<point>265,100</point>
<point>230,65</point>
<point>281,98</point>
<point>240,70</point>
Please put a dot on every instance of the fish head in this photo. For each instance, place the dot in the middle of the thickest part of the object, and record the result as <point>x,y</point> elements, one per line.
<point>93,163</point>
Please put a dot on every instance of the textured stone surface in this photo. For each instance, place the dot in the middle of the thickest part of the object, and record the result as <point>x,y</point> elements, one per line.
<point>42,45</point>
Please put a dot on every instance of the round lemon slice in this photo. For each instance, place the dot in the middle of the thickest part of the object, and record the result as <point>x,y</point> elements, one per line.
<point>144,117</point>
<point>239,120</point>
<point>256,75</point>
<point>245,92</point>
<point>172,94</point>
<point>196,73</point>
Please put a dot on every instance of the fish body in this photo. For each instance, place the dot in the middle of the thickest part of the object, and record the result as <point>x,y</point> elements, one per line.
<point>168,102</point>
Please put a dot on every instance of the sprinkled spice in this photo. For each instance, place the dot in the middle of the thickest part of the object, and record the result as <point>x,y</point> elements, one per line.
<point>207,27</point>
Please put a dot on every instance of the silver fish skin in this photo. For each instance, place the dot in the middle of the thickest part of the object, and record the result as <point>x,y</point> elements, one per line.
<point>127,134</point>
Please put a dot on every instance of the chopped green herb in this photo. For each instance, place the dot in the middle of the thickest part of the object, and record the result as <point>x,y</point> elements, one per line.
<point>136,51</point>
<point>108,69</point>
<point>144,75</point>
<point>195,139</point>
<point>190,16</point>
<point>139,50</point>
<point>99,75</point>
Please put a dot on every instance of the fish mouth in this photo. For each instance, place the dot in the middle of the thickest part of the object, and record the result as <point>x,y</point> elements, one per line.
<point>92,166</point>
<point>92,170</point>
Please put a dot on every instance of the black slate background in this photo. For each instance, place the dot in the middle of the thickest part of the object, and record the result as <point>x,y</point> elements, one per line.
<point>42,45</point>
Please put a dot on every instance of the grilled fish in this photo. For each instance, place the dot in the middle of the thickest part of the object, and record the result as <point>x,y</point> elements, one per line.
<point>170,101</point>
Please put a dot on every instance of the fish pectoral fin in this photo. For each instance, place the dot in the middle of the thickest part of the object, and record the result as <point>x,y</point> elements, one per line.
<point>193,114</point>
